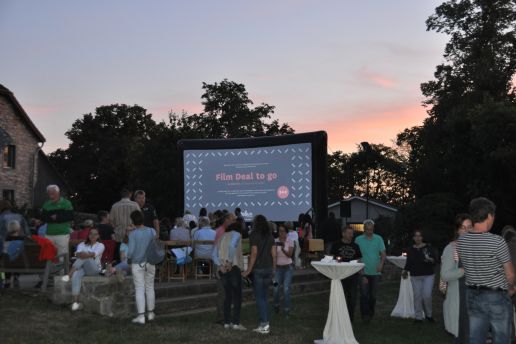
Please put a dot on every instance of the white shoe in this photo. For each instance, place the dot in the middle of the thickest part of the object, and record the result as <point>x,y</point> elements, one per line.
<point>151,316</point>
<point>75,306</point>
<point>228,326</point>
<point>239,327</point>
<point>140,319</point>
<point>263,329</point>
<point>65,278</point>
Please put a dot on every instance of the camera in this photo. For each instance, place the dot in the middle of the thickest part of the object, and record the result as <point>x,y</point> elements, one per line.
<point>274,283</point>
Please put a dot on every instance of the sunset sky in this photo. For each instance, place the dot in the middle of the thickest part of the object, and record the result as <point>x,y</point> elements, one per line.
<point>352,68</point>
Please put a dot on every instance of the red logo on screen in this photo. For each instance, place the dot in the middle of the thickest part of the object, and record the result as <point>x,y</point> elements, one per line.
<point>282,192</point>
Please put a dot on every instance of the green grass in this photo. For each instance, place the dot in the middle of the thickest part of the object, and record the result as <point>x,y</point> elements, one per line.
<point>29,319</point>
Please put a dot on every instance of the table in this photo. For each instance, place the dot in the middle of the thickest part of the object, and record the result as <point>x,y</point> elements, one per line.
<point>405,306</point>
<point>338,328</point>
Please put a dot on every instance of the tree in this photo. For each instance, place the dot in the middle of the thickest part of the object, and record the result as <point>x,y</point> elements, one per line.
<point>122,145</point>
<point>376,171</point>
<point>471,103</point>
<point>227,114</point>
<point>104,149</point>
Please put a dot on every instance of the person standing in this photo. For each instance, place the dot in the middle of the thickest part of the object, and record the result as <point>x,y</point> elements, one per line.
<point>120,214</point>
<point>452,273</point>
<point>225,220</point>
<point>347,250</point>
<point>421,258</point>
<point>149,212</point>
<point>228,257</point>
<point>143,272</point>
<point>106,230</point>
<point>58,214</point>
<point>284,269</point>
<point>372,248</point>
<point>263,265</point>
<point>489,276</point>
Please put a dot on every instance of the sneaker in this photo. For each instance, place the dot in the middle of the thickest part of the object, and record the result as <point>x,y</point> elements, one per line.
<point>239,327</point>
<point>75,306</point>
<point>263,329</point>
<point>151,316</point>
<point>140,319</point>
<point>228,326</point>
<point>65,278</point>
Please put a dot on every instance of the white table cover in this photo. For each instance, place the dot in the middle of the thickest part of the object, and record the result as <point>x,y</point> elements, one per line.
<point>405,306</point>
<point>338,328</point>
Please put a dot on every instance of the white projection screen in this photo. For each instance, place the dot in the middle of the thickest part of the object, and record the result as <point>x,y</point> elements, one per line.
<point>273,176</point>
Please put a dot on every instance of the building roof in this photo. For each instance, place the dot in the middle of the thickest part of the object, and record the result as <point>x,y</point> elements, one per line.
<point>5,91</point>
<point>371,201</point>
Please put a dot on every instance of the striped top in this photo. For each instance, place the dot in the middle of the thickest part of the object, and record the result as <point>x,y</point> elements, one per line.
<point>483,256</point>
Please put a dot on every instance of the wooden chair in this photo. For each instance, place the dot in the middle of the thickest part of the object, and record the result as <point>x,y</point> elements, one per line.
<point>175,271</point>
<point>199,261</point>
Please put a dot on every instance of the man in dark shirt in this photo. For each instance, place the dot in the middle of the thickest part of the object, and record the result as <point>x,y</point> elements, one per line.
<point>331,232</point>
<point>347,250</point>
<point>149,212</point>
<point>106,230</point>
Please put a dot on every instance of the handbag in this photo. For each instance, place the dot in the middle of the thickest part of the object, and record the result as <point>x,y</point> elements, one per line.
<point>155,252</point>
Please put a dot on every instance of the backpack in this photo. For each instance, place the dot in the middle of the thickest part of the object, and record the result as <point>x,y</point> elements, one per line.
<point>155,252</point>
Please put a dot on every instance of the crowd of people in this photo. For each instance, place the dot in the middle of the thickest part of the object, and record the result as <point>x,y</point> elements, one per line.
<point>477,275</point>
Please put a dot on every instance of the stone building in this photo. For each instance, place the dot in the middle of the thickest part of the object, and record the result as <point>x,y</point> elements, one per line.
<point>24,168</point>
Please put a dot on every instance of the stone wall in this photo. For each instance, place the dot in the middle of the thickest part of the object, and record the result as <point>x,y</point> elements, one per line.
<point>21,178</point>
<point>99,294</point>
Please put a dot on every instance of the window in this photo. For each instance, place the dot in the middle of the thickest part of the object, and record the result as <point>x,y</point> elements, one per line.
<point>9,156</point>
<point>8,195</point>
<point>357,227</point>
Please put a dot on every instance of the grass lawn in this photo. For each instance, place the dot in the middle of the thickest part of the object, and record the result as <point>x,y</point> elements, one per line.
<point>27,319</point>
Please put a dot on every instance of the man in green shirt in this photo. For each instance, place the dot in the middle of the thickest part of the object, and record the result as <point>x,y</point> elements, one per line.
<point>373,256</point>
<point>58,214</point>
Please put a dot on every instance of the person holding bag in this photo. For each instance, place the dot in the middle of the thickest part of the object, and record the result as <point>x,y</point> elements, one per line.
<point>229,259</point>
<point>143,271</point>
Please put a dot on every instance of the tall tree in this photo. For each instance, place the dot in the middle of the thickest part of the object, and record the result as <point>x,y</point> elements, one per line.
<point>374,171</point>
<point>470,102</point>
<point>227,114</point>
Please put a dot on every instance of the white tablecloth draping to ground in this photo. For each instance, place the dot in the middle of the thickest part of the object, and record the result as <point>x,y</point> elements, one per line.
<point>338,328</point>
<point>405,306</point>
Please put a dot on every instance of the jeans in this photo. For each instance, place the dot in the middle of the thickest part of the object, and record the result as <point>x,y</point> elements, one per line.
<point>350,286</point>
<point>83,267</point>
<point>283,278</point>
<point>232,282</point>
<point>489,309</point>
<point>368,295</point>
<point>261,283</point>
<point>143,278</point>
<point>422,286</point>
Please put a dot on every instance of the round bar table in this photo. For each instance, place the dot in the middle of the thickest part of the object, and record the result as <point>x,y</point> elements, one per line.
<point>405,306</point>
<point>338,328</point>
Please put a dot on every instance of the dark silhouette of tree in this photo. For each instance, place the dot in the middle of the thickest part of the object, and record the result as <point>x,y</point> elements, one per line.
<point>466,147</point>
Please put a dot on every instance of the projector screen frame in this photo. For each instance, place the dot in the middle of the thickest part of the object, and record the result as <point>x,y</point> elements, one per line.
<point>318,141</point>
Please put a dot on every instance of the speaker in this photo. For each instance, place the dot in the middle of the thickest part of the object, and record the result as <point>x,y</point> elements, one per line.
<point>345,209</point>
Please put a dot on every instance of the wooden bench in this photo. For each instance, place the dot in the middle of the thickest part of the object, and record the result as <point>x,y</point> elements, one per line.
<point>28,263</point>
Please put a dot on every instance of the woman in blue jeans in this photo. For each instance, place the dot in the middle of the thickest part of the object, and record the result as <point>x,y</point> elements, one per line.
<point>284,272</point>
<point>421,259</point>
<point>263,265</point>
<point>227,255</point>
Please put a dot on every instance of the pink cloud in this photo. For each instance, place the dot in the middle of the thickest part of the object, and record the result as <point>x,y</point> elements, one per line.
<point>378,79</point>
<point>376,126</point>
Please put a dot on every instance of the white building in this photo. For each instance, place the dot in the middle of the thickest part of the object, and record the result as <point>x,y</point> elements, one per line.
<point>361,209</point>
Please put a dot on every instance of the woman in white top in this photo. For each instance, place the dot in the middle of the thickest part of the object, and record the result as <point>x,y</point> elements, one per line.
<point>87,264</point>
<point>284,271</point>
<point>454,307</point>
